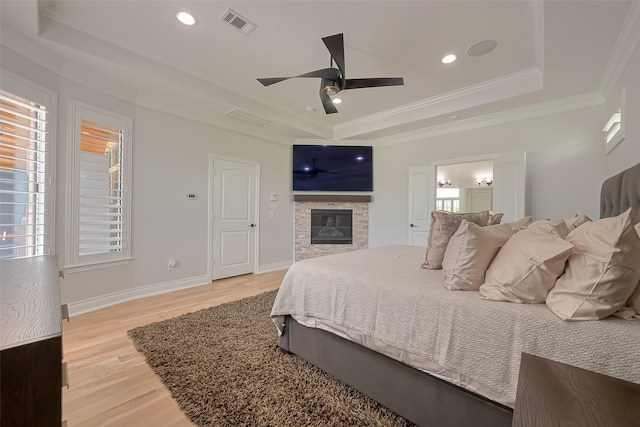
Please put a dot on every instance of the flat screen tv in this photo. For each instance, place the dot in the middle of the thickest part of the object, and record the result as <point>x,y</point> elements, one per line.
<point>332,168</point>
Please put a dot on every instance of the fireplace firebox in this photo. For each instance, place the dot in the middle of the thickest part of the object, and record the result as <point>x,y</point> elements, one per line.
<point>331,226</point>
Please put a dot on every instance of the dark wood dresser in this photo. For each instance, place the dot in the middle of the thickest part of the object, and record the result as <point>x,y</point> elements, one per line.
<point>30,343</point>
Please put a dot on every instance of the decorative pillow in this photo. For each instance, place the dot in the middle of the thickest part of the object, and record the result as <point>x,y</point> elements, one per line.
<point>520,224</point>
<point>528,265</point>
<point>494,219</point>
<point>443,226</point>
<point>557,224</point>
<point>469,253</point>
<point>575,220</point>
<point>602,272</point>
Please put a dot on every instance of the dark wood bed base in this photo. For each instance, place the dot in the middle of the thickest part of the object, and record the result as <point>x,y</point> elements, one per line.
<point>417,396</point>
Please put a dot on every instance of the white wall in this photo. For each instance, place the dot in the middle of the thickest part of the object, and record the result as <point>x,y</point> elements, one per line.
<point>565,166</point>
<point>170,159</point>
<point>628,152</point>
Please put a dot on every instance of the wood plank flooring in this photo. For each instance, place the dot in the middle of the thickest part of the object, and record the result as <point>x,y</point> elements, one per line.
<point>110,384</point>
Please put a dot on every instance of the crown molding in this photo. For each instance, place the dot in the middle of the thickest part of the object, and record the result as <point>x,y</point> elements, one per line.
<point>504,87</point>
<point>535,110</point>
<point>628,41</point>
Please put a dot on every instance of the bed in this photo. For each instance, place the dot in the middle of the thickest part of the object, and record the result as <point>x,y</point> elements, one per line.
<point>379,322</point>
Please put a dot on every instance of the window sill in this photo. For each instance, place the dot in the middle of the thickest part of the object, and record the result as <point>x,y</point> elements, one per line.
<point>71,269</point>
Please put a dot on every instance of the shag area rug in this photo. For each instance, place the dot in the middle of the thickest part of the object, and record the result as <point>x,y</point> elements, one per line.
<point>224,368</point>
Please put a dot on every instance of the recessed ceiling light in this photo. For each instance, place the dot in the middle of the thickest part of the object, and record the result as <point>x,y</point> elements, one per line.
<point>449,59</point>
<point>186,18</point>
<point>336,101</point>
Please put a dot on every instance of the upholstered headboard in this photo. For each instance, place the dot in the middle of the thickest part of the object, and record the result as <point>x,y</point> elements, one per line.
<point>620,192</point>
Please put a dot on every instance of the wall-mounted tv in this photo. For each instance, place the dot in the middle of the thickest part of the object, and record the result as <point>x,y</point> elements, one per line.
<point>332,168</point>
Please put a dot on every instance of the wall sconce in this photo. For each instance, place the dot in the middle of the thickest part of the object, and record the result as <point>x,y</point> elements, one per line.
<point>443,182</point>
<point>485,181</point>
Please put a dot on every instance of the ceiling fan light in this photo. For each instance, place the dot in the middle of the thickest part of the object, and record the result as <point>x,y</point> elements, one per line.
<point>331,90</point>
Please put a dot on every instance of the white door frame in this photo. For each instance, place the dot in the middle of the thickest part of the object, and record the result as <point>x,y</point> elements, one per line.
<point>211,237</point>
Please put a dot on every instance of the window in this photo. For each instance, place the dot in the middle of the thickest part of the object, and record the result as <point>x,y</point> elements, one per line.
<point>25,177</point>
<point>100,232</point>
<point>448,199</point>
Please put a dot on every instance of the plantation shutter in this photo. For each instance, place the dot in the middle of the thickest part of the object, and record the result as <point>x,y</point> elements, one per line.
<point>24,178</point>
<point>101,215</point>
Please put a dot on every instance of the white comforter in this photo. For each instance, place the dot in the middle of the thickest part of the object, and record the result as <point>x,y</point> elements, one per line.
<point>381,298</point>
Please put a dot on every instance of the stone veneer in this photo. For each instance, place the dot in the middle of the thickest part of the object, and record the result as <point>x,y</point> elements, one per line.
<point>360,230</point>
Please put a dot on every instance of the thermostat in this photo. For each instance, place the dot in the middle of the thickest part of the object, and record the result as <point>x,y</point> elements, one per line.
<point>192,196</point>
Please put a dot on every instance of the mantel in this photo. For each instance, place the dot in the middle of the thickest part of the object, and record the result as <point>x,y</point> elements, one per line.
<point>342,198</point>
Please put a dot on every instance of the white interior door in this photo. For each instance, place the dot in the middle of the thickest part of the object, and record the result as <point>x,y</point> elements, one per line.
<point>233,215</point>
<point>421,202</point>
<point>479,199</point>
<point>509,185</point>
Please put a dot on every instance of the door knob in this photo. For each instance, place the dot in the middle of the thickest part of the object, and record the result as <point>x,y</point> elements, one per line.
<point>253,225</point>
<point>413,225</point>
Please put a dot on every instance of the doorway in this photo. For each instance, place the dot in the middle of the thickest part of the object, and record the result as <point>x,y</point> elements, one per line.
<point>233,210</point>
<point>465,187</point>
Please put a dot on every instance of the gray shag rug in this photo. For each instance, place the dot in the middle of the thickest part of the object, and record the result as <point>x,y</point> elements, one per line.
<point>224,368</point>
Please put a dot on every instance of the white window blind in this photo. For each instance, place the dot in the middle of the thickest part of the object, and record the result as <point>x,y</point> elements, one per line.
<point>101,198</point>
<point>25,180</point>
<point>101,223</point>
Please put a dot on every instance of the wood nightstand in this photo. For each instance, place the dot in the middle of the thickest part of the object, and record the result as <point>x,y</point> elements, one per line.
<point>555,394</point>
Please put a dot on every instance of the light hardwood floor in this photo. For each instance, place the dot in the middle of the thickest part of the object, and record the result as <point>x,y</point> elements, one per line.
<point>110,383</point>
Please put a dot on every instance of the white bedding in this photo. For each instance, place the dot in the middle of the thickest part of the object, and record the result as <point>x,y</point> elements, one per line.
<point>381,298</point>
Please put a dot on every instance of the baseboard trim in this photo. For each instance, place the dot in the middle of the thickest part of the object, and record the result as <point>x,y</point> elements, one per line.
<point>91,304</point>
<point>265,268</point>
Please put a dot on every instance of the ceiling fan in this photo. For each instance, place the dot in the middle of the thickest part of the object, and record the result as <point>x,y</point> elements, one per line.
<point>333,80</point>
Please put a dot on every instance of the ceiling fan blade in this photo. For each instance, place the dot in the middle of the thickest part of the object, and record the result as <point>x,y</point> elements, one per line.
<point>325,73</point>
<point>335,46</point>
<point>329,106</point>
<point>373,82</point>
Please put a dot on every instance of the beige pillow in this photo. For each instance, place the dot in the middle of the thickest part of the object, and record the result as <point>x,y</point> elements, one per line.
<point>520,224</point>
<point>528,265</point>
<point>443,226</point>
<point>575,220</point>
<point>602,271</point>
<point>469,253</point>
<point>494,219</point>
<point>558,225</point>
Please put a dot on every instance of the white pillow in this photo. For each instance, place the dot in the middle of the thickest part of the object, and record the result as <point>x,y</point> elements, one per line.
<point>602,271</point>
<point>469,253</point>
<point>528,265</point>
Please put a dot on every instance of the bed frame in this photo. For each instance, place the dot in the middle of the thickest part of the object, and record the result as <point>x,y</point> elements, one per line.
<point>417,396</point>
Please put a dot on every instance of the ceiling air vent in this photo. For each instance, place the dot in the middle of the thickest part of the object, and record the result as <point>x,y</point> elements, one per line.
<point>239,22</point>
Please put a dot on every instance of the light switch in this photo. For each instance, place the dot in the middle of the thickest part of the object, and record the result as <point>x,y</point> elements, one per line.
<point>273,197</point>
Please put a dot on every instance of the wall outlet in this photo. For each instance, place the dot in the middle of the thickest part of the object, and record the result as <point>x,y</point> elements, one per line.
<point>171,265</point>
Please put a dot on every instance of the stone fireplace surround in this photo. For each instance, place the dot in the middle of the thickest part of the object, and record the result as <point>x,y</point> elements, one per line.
<point>359,205</point>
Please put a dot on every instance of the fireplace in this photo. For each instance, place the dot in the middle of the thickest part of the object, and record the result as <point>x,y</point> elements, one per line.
<point>304,204</point>
<point>331,226</point>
